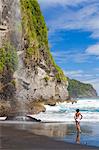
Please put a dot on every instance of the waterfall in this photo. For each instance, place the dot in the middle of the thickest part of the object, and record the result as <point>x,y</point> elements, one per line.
<point>16,38</point>
<point>10,20</point>
<point>11,30</point>
<point>15,24</point>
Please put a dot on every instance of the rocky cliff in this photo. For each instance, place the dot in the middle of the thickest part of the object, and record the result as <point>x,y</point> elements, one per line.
<point>27,69</point>
<point>78,89</point>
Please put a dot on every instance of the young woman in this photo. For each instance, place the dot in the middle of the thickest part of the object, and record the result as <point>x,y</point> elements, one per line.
<point>78,116</point>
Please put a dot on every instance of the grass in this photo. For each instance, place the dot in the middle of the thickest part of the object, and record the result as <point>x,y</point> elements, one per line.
<point>36,36</point>
<point>8,58</point>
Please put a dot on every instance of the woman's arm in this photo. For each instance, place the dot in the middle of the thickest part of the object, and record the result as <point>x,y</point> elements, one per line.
<point>81,116</point>
<point>75,116</point>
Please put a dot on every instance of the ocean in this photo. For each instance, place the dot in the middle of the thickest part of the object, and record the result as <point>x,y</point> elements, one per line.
<point>60,123</point>
<point>64,112</point>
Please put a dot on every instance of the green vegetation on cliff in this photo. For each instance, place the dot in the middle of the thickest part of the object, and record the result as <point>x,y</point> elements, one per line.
<point>8,58</point>
<point>36,37</point>
<point>79,89</point>
<point>8,64</point>
<point>28,26</point>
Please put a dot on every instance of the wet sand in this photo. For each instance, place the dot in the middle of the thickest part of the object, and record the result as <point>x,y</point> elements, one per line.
<point>12,138</point>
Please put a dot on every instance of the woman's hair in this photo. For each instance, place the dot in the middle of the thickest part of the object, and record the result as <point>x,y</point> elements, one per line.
<point>77,110</point>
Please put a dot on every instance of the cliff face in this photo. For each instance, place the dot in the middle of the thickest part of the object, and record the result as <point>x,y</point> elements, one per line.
<point>79,89</point>
<point>27,69</point>
<point>9,41</point>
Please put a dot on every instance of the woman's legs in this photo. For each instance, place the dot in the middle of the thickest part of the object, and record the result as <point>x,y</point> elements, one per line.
<point>78,126</point>
<point>78,138</point>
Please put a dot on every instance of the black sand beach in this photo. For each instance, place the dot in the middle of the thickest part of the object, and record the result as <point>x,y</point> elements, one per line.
<point>12,138</point>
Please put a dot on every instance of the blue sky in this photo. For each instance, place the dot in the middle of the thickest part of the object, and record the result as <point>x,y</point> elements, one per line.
<point>74,37</point>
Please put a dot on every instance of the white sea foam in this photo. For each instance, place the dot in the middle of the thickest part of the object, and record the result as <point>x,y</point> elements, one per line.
<point>63,112</point>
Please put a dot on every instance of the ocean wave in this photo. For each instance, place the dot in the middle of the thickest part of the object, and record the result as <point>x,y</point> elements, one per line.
<point>63,112</point>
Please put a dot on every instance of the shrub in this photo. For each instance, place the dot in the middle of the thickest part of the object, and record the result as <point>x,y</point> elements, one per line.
<point>8,58</point>
<point>46,78</point>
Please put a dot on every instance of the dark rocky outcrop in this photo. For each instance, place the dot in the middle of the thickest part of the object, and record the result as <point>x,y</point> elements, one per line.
<point>23,118</point>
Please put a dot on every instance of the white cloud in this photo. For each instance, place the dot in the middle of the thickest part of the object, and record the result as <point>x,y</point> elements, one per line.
<point>70,56</point>
<point>73,73</point>
<point>85,18</point>
<point>95,34</point>
<point>93,49</point>
<point>94,82</point>
<point>49,3</point>
<point>79,75</point>
<point>81,58</point>
<point>96,69</point>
